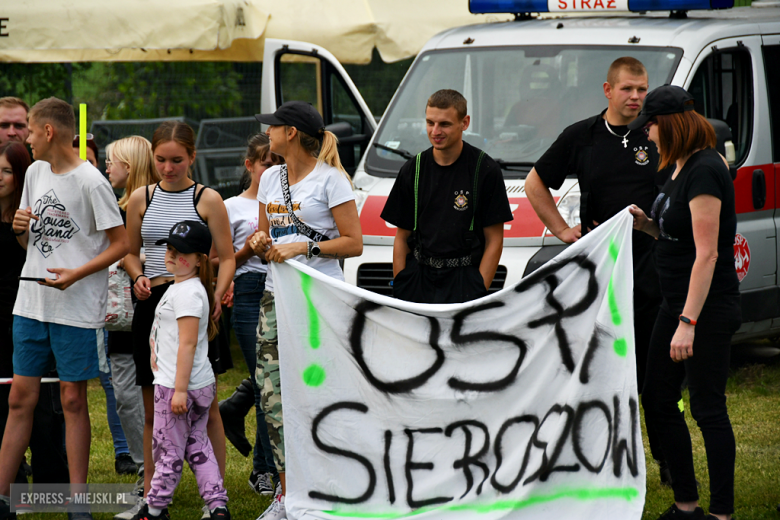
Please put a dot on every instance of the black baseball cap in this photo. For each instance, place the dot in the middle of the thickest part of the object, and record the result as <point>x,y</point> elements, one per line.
<point>299,114</point>
<point>668,99</point>
<point>188,236</point>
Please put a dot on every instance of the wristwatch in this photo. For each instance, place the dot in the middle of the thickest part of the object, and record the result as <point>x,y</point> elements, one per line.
<point>312,250</point>
<point>687,320</point>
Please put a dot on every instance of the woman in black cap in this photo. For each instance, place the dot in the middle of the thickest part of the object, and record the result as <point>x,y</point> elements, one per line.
<point>307,212</point>
<point>694,221</point>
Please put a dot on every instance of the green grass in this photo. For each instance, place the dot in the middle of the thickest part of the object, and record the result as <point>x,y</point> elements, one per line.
<point>754,407</point>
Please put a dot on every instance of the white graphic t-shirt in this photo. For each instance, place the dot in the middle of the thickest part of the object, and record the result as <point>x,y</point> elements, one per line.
<point>242,213</point>
<point>74,210</point>
<point>313,197</point>
<point>187,298</point>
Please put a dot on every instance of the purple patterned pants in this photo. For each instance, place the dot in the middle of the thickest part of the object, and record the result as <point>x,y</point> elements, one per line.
<point>177,438</point>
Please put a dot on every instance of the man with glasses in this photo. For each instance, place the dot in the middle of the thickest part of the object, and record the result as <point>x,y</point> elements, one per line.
<point>615,167</point>
<point>13,120</point>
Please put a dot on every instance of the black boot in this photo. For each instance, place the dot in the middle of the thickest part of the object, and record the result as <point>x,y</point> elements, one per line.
<point>233,410</point>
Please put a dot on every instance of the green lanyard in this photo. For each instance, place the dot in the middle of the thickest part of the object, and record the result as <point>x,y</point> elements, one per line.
<point>417,182</point>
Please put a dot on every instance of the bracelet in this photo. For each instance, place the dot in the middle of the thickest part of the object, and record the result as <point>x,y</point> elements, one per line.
<point>20,234</point>
<point>687,320</point>
<point>309,246</point>
<point>137,277</point>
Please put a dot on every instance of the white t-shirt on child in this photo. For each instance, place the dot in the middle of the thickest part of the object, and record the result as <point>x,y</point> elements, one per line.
<point>313,197</point>
<point>242,213</point>
<point>187,298</point>
<point>74,210</point>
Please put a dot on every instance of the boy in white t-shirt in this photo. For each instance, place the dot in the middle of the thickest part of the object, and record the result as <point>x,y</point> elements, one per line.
<point>70,225</point>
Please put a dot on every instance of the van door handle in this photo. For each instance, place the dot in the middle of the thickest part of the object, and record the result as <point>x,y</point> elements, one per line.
<point>759,189</point>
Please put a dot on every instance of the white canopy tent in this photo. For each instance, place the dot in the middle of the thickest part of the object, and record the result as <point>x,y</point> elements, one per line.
<point>220,30</point>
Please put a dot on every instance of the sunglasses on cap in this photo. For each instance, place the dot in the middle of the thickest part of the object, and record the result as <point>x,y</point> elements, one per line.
<point>90,137</point>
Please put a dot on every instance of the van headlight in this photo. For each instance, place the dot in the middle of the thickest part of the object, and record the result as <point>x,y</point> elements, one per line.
<point>569,208</point>
<point>360,199</point>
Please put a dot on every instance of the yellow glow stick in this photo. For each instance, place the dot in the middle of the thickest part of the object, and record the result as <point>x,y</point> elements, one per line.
<point>83,131</point>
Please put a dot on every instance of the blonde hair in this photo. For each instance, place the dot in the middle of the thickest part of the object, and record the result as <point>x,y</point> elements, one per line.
<point>326,151</point>
<point>136,152</point>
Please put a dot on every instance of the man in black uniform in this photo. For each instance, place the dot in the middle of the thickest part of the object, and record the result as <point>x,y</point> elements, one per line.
<point>449,204</point>
<point>615,167</point>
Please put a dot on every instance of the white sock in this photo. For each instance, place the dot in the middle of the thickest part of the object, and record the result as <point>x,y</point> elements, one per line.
<point>154,512</point>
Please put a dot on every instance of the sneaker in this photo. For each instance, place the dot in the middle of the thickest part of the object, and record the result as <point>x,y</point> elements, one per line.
<point>5,510</point>
<point>275,511</point>
<point>206,513</point>
<point>130,513</point>
<point>278,489</point>
<point>261,483</point>
<point>143,514</point>
<point>220,513</point>
<point>124,465</point>
<point>677,514</point>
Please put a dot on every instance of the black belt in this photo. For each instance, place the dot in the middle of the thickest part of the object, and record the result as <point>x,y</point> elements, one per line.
<point>441,263</point>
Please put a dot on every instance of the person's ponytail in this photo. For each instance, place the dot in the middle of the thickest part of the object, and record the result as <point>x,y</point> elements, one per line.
<point>206,274</point>
<point>329,152</point>
<point>326,151</point>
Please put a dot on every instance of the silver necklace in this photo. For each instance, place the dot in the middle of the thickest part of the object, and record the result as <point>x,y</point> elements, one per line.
<point>625,137</point>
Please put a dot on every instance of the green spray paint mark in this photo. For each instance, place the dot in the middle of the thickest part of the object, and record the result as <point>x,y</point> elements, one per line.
<point>614,309</point>
<point>681,405</point>
<point>582,494</point>
<point>314,375</point>
<point>613,250</point>
<point>311,311</point>
<point>621,347</point>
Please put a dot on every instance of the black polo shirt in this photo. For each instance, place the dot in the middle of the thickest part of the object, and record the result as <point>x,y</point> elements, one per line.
<point>446,201</point>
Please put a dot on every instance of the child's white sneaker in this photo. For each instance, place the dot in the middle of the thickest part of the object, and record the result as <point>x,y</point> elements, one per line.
<point>275,511</point>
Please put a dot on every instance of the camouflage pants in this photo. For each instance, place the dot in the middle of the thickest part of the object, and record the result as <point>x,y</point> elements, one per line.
<point>267,376</point>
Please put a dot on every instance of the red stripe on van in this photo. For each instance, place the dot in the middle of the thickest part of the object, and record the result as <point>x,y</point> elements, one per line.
<point>743,188</point>
<point>525,223</point>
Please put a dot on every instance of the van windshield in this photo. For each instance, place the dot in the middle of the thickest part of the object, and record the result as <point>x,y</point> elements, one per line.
<point>519,98</point>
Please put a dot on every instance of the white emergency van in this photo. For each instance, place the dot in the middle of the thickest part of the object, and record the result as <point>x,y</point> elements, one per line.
<point>527,79</point>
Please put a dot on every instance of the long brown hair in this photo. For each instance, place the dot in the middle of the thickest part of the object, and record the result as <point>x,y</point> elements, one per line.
<point>19,159</point>
<point>681,134</point>
<point>206,275</point>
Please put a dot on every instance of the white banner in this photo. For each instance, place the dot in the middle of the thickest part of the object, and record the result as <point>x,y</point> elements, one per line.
<point>522,404</point>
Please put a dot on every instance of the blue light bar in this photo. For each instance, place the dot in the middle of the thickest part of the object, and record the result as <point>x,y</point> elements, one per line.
<point>594,6</point>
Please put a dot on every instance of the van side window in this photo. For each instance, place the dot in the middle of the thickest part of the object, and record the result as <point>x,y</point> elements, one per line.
<point>771,61</point>
<point>723,89</point>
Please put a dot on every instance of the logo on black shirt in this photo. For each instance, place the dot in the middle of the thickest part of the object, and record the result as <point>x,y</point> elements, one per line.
<point>461,200</point>
<point>641,155</point>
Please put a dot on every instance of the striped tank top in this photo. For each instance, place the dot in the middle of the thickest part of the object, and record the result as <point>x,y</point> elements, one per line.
<point>163,210</point>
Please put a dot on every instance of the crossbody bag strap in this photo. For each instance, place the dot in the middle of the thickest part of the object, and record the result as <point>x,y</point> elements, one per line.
<point>416,186</point>
<point>474,191</point>
<point>303,229</point>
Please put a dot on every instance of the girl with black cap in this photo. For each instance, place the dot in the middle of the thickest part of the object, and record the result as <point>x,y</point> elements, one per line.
<point>307,212</point>
<point>184,382</point>
<point>694,221</point>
